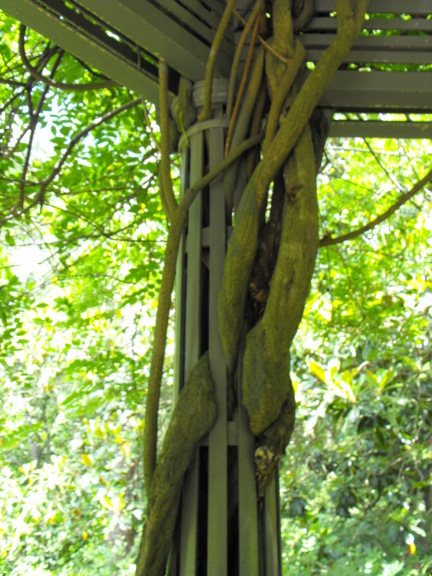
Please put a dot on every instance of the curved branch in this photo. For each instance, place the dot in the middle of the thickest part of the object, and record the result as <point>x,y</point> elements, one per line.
<point>381,165</point>
<point>241,89</point>
<point>34,119</point>
<point>239,49</point>
<point>211,62</point>
<point>80,135</point>
<point>52,83</point>
<point>329,241</point>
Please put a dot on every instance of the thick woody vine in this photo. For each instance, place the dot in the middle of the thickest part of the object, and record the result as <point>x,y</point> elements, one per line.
<point>268,265</point>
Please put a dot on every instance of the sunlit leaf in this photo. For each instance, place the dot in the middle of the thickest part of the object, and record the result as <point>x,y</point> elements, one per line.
<point>86,460</point>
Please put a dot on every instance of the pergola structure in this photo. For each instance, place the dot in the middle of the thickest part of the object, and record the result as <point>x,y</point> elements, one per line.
<point>125,38</point>
<point>389,69</point>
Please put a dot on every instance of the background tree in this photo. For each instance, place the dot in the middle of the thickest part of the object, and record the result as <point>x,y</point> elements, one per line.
<point>65,358</point>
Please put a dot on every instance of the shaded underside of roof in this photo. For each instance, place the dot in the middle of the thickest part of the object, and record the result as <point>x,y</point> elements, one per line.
<point>389,68</point>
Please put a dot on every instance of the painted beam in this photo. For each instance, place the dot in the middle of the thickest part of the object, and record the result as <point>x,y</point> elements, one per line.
<point>379,91</point>
<point>92,49</point>
<point>384,6</point>
<point>184,47</point>
<point>380,129</point>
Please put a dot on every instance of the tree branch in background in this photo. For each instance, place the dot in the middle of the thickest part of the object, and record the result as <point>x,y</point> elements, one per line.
<point>10,110</point>
<point>90,69</point>
<point>329,241</point>
<point>56,170</point>
<point>14,83</point>
<point>52,83</point>
<point>80,135</point>
<point>381,165</point>
<point>148,123</point>
<point>33,124</point>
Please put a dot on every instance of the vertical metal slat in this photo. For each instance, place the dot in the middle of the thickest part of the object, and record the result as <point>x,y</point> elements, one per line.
<point>272,530</point>
<point>248,511</point>
<point>190,504</point>
<point>218,438</point>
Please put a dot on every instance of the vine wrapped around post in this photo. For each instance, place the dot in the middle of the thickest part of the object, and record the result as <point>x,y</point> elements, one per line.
<point>288,158</point>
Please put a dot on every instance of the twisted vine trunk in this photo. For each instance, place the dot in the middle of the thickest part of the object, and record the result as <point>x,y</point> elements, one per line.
<point>266,275</point>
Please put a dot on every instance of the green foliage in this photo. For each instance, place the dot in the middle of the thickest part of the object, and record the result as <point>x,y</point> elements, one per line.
<point>356,482</point>
<point>78,279</point>
<point>79,271</point>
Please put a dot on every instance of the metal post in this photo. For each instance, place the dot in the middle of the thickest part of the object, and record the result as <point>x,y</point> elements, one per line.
<point>221,529</point>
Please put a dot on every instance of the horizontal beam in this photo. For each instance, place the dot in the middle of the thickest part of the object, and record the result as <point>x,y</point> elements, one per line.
<point>321,23</point>
<point>379,91</point>
<point>196,11</point>
<point>400,56</point>
<point>372,43</point>
<point>380,129</point>
<point>80,27</point>
<point>384,6</point>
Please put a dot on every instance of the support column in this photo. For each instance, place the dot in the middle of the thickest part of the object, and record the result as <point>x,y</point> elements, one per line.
<point>222,530</point>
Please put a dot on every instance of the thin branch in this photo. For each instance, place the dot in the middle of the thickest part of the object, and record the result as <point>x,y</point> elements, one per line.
<point>381,165</point>
<point>150,127</point>
<point>14,83</point>
<point>90,69</point>
<point>9,102</point>
<point>239,49</point>
<point>99,229</point>
<point>242,87</point>
<point>263,42</point>
<point>9,152</point>
<point>329,241</point>
<point>256,126</point>
<point>79,136</point>
<point>243,122</point>
<point>52,83</point>
<point>205,113</point>
<point>34,119</point>
<point>82,134</point>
